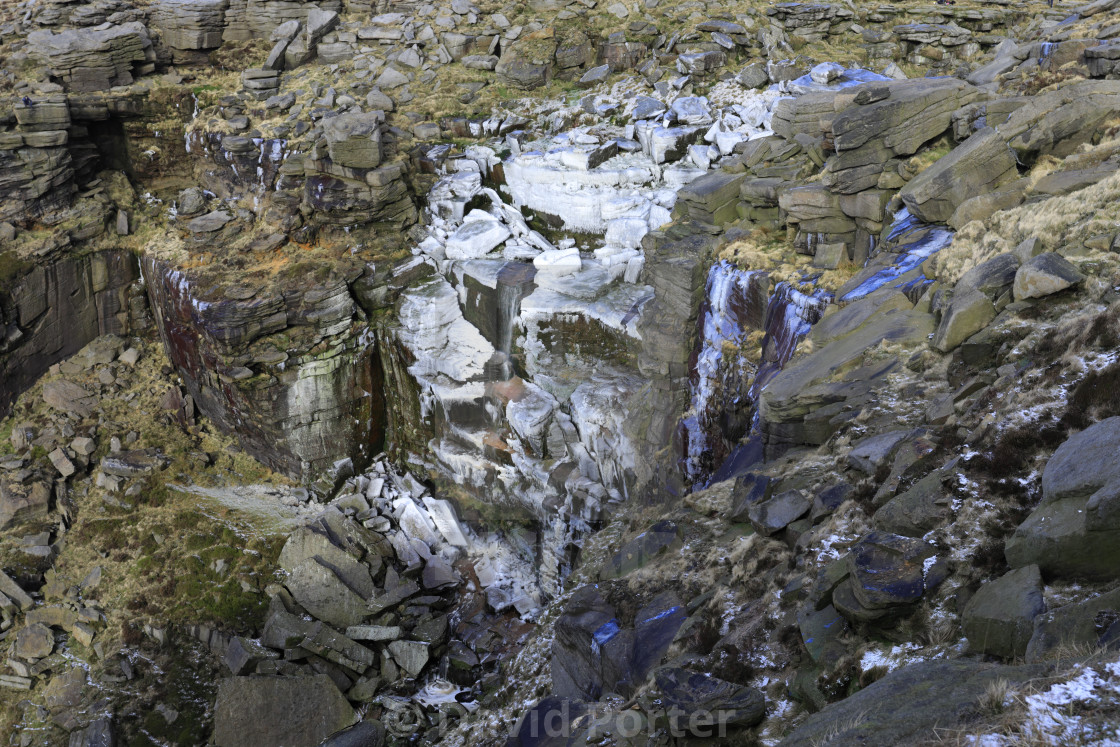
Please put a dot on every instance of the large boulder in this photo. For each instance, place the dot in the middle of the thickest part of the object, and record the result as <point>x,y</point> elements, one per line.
<point>907,705</point>
<point>354,139</point>
<point>802,403</point>
<point>1077,624</point>
<point>1075,531</point>
<point>527,64</point>
<point>597,650</point>
<point>999,619</point>
<point>978,165</point>
<point>289,711</point>
<point>968,313</point>
<point>324,593</point>
<point>1045,274</point>
<point>21,504</point>
<point>881,121</point>
<point>1058,122</point>
<point>925,506</point>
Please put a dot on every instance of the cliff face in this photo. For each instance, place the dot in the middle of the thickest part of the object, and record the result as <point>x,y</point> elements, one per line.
<point>56,308</point>
<point>288,369</point>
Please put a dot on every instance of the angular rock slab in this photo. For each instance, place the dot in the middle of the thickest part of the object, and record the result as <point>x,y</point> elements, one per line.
<point>999,619</point>
<point>1075,531</point>
<point>1044,275</point>
<point>905,706</point>
<point>719,701</point>
<point>289,711</point>
<point>325,595</point>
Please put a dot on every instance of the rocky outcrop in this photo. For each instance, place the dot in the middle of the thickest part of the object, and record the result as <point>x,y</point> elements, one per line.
<point>999,619</point>
<point>94,59</point>
<point>800,403</point>
<point>888,120</point>
<point>286,368</point>
<point>190,25</point>
<point>981,164</point>
<point>907,704</point>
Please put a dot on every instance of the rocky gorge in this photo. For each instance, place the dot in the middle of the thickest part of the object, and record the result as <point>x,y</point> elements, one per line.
<point>557,372</point>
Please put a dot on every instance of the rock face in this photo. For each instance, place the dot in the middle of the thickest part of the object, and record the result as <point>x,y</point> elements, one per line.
<point>190,25</point>
<point>297,711</point>
<point>55,309</point>
<point>907,704</point>
<point>595,652</point>
<point>93,59</point>
<point>800,402</point>
<point>1074,531</point>
<point>297,410</point>
<point>981,164</point>
<point>999,619</point>
<point>1045,274</point>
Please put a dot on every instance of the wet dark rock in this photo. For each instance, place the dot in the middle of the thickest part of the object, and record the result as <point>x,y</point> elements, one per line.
<point>595,652</point>
<point>551,722</point>
<point>684,693</point>
<point>362,734</point>
<point>821,632</point>
<point>888,570</point>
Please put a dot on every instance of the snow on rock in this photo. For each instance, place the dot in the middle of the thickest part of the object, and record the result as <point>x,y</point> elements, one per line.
<point>476,238</point>
<point>434,330</point>
<point>558,261</point>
